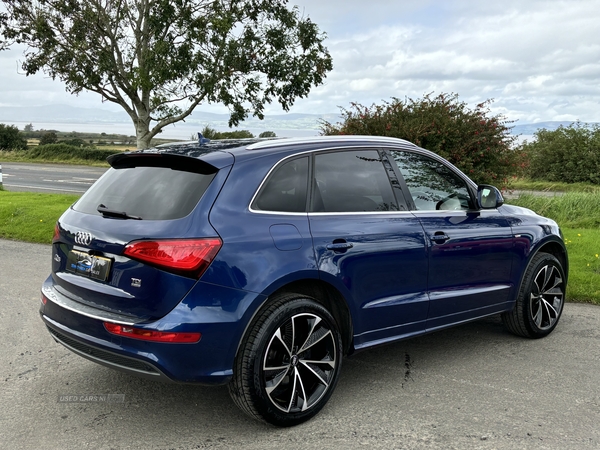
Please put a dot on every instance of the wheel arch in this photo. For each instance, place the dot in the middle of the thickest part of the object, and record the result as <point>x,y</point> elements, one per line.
<point>559,252</point>
<point>322,293</point>
<point>553,247</point>
<point>331,299</point>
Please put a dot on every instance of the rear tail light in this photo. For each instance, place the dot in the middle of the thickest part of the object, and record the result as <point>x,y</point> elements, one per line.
<point>56,235</point>
<point>152,335</point>
<point>189,257</point>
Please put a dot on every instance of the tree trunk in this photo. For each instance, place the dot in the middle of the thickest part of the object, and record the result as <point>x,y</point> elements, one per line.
<point>142,131</point>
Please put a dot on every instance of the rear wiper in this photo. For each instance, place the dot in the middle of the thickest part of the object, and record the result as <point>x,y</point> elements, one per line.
<point>112,213</point>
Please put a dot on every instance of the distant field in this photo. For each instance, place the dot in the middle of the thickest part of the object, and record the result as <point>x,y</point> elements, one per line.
<point>101,140</point>
<point>73,148</point>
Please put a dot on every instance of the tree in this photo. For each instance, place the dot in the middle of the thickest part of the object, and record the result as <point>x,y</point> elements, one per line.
<point>476,142</point>
<point>28,128</point>
<point>75,142</point>
<point>568,154</point>
<point>211,133</point>
<point>159,59</point>
<point>208,133</point>
<point>49,137</point>
<point>267,134</point>
<point>3,20</point>
<point>11,139</point>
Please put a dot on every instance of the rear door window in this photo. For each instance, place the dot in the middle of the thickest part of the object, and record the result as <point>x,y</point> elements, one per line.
<point>351,181</point>
<point>150,193</point>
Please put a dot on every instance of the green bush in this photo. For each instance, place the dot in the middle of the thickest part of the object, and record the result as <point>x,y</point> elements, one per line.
<point>62,152</point>
<point>11,138</point>
<point>211,133</point>
<point>477,143</point>
<point>49,137</point>
<point>569,154</point>
<point>77,142</point>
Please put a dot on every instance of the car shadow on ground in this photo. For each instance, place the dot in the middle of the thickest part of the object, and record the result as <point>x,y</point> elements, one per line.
<point>370,373</point>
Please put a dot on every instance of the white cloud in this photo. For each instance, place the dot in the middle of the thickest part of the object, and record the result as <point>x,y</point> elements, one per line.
<point>525,55</point>
<point>539,59</point>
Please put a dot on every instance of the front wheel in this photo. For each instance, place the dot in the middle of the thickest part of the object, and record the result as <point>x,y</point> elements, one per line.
<point>541,298</point>
<point>289,363</point>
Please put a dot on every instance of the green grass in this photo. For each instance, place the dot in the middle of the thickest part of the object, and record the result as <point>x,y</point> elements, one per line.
<point>529,185</point>
<point>22,156</point>
<point>583,245</point>
<point>30,217</point>
<point>578,214</point>
<point>571,210</point>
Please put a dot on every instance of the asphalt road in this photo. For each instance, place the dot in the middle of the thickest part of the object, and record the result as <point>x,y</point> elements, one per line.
<point>470,387</point>
<point>51,178</point>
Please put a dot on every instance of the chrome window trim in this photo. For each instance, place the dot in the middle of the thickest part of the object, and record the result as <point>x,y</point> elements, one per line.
<point>457,212</point>
<point>278,213</point>
<point>298,155</point>
<point>375,142</point>
<point>359,213</point>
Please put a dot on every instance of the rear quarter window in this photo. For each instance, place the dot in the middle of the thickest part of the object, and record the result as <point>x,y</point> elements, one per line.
<point>286,188</point>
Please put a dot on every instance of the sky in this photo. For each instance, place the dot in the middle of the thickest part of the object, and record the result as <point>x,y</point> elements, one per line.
<point>539,60</point>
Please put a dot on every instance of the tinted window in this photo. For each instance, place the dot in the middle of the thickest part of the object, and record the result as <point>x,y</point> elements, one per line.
<point>152,193</point>
<point>286,188</point>
<point>351,181</point>
<point>432,185</point>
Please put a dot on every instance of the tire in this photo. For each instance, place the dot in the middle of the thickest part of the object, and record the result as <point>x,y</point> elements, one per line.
<point>541,299</point>
<point>289,362</point>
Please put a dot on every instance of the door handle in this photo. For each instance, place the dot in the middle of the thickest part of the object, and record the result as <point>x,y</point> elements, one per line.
<point>339,246</point>
<point>439,237</point>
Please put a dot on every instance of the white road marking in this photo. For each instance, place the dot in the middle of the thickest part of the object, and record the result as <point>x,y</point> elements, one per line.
<point>71,181</point>
<point>45,188</point>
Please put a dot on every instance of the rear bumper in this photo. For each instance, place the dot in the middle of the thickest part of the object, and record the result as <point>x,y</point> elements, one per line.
<point>103,356</point>
<point>209,361</point>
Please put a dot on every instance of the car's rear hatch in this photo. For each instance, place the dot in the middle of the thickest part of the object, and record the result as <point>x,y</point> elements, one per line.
<point>139,238</point>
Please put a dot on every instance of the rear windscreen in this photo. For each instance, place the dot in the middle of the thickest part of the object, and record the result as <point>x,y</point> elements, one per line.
<point>149,193</point>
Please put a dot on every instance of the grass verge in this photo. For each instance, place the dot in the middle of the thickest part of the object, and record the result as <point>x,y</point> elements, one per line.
<point>529,185</point>
<point>59,154</point>
<point>30,217</point>
<point>578,214</point>
<point>571,210</point>
<point>583,245</point>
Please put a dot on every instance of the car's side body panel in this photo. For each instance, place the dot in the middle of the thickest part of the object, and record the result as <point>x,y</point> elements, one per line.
<point>382,273</point>
<point>470,255</point>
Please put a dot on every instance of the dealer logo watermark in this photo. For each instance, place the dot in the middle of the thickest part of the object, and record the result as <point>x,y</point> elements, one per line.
<point>92,398</point>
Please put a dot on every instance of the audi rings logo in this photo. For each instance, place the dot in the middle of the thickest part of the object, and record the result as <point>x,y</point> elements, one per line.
<point>83,238</point>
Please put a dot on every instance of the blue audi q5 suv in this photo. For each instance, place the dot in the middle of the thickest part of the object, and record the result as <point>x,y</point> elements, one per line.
<point>261,264</point>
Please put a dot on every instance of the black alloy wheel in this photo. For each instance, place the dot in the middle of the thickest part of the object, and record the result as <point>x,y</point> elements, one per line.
<point>289,363</point>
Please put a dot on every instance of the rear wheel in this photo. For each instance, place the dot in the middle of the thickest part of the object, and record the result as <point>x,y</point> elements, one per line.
<point>541,298</point>
<point>289,363</point>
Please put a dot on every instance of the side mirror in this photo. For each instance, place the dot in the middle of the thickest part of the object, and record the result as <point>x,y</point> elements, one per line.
<point>489,197</point>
